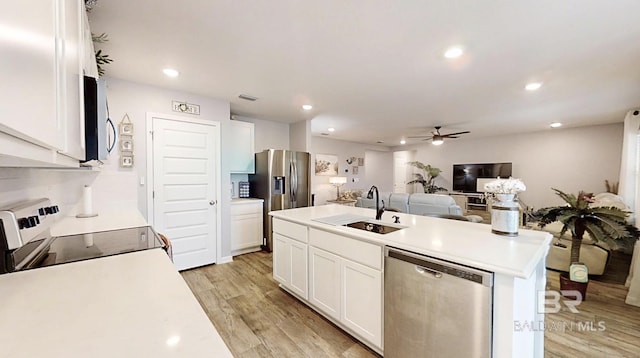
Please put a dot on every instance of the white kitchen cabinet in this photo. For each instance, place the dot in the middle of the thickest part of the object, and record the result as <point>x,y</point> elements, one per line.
<point>246,226</point>
<point>324,281</point>
<point>242,149</point>
<point>346,282</point>
<point>71,82</point>
<point>361,297</point>
<point>290,256</point>
<point>42,83</point>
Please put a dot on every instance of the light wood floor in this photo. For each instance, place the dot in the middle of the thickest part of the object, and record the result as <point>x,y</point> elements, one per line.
<point>257,319</point>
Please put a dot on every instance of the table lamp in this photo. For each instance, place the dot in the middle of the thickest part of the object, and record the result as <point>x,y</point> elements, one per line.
<point>337,182</point>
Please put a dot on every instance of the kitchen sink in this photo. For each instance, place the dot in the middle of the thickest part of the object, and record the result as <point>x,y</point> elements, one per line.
<point>373,227</point>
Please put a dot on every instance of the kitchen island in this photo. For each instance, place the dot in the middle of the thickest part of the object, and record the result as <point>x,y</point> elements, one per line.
<point>132,305</point>
<point>338,270</point>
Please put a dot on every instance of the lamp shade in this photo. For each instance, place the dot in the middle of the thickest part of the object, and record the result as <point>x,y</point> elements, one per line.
<point>338,180</point>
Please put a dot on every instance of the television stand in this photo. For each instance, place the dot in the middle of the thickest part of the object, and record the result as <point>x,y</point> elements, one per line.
<point>470,201</point>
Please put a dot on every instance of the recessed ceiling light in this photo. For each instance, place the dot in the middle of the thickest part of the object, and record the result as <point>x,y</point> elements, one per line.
<point>170,72</point>
<point>533,86</point>
<point>403,142</point>
<point>331,129</point>
<point>555,125</point>
<point>307,107</point>
<point>453,52</point>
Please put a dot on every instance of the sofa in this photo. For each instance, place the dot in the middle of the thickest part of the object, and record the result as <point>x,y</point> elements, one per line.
<point>437,205</point>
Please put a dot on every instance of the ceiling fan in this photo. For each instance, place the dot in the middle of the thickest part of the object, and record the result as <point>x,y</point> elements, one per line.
<point>437,138</point>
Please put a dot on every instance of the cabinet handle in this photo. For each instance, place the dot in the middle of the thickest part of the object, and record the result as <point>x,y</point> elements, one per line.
<point>213,202</point>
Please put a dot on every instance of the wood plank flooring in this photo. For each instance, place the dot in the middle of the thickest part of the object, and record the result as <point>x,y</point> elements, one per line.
<point>257,319</point>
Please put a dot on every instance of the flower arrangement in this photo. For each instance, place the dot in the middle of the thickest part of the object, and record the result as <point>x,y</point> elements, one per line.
<point>505,186</point>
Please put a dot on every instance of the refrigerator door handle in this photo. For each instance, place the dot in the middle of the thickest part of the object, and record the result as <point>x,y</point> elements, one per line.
<point>293,172</point>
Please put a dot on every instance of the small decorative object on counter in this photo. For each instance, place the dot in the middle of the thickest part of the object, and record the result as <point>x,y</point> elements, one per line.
<point>243,189</point>
<point>505,211</point>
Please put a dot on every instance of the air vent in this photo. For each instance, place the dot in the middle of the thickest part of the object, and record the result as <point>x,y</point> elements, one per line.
<point>247,97</point>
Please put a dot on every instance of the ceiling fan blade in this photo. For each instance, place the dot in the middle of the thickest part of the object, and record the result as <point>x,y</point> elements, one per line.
<point>450,134</point>
<point>420,137</point>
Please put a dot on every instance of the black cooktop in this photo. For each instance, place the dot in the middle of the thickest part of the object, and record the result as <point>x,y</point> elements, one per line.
<point>65,249</point>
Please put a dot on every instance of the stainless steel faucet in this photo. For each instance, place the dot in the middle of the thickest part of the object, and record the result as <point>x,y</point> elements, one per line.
<point>379,210</point>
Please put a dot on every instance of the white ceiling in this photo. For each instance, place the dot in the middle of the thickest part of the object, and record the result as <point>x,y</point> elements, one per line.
<point>374,69</point>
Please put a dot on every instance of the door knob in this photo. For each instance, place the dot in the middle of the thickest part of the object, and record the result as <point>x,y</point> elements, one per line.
<point>212,202</point>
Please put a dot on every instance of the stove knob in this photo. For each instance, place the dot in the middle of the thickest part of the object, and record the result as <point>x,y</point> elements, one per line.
<point>55,209</point>
<point>23,223</point>
<point>32,221</point>
<point>41,211</point>
<point>47,210</point>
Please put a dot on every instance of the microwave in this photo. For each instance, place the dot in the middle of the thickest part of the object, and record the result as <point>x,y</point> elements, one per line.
<point>100,133</point>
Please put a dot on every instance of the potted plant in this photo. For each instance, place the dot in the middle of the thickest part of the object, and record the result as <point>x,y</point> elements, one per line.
<point>607,224</point>
<point>427,177</point>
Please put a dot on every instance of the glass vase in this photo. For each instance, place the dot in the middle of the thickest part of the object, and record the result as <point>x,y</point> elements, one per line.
<point>505,215</point>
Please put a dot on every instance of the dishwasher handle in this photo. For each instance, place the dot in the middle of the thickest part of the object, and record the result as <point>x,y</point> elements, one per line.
<point>423,270</point>
<point>438,268</point>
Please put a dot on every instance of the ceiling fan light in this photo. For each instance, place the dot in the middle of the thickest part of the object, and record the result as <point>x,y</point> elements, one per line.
<point>437,141</point>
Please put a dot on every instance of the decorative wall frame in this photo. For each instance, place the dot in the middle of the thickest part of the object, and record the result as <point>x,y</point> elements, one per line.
<point>125,128</point>
<point>360,162</point>
<point>326,164</point>
<point>126,144</point>
<point>126,161</point>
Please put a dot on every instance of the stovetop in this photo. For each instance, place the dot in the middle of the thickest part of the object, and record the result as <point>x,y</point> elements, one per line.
<point>65,249</point>
<point>25,240</point>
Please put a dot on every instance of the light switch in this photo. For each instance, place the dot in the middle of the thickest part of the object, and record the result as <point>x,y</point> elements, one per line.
<point>141,181</point>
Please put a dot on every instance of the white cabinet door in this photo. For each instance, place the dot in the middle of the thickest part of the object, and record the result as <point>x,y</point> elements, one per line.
<point>242,150</point>
<point>42,91</point>
<point>290,264</point>
<point>282,259</point>
<point>28,72</point>
<point>324,281</point>
<point>246,227</point>
<point>299,269</point>
<point>362,301</point>
<point>70,84</point>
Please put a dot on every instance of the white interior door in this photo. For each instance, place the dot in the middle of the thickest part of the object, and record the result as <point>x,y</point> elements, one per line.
<point>400,180</point>
<point>185,180</point>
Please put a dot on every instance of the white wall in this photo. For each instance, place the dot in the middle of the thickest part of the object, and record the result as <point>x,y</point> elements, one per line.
<point>569,159</point>
<point>300,136</point>
<point>115,187</point>
<point>377,169</point>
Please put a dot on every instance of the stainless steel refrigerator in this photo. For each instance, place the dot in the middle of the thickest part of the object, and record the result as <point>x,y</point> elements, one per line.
<point>282,179</point>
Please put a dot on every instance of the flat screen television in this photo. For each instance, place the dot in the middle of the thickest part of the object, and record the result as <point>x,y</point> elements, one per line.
<point>465,175</point>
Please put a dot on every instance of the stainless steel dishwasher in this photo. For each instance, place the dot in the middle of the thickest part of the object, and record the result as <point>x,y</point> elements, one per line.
<point>434,308</point>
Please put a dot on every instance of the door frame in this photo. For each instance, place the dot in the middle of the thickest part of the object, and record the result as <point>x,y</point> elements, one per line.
<point>150,179</point>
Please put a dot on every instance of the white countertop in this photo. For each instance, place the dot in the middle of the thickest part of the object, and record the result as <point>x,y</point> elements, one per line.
<point>245,200</point>
<point>467,243</point>
<point>105,221</point>
<point>133,305</point>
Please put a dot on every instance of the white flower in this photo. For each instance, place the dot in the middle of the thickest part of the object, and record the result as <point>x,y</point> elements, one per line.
<point>505,186</point>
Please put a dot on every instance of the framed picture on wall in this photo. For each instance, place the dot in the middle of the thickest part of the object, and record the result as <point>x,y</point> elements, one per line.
<point>354,170</point>
<point>326,164</point>
<point>126,161</point>
<point>126,145</point>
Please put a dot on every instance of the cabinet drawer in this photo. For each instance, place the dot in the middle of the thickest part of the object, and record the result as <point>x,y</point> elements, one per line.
<point>242,209</point>
<point>352,249</point>
<point>295,231</point>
